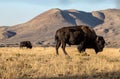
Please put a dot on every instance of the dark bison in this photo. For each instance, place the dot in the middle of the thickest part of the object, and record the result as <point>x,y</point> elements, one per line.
<point>83,36</point>
<point>26,44</point>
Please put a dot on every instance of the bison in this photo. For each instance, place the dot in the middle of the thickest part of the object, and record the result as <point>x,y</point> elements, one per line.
<point>26,44</point>
<point>82,35</point>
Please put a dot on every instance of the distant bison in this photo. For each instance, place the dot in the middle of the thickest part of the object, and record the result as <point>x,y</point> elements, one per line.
<point>26,44</point>
<point>83,36</point>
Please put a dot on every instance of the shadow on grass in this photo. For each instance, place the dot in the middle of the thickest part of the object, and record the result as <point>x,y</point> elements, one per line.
<point>102,75</point>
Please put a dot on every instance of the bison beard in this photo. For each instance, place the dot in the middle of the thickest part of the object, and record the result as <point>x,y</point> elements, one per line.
<point>83,36</point>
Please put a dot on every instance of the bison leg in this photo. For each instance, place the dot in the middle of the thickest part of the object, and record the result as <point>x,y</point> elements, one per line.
<point>80,47</point>
<point>63,47</point>
<point>96,50</point>
<point>57,46</point>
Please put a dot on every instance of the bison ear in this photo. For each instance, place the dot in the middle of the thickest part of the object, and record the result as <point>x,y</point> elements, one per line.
<point>97,38</point>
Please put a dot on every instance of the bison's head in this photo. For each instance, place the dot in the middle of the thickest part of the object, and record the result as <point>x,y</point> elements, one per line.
<point>100,43</point>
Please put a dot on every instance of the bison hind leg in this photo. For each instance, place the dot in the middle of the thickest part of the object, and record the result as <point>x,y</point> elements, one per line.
<point>57,47</point>
<point>63,47</point>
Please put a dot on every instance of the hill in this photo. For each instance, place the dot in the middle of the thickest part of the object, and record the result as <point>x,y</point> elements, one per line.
<point>42,28</point>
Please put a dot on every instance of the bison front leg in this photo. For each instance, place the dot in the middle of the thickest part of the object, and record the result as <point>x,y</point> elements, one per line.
<point>63,47</point>
<point>81,47</point>
<point>57,47</point>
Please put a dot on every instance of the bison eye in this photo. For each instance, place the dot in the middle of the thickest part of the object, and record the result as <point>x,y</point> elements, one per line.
<point>98,41</point>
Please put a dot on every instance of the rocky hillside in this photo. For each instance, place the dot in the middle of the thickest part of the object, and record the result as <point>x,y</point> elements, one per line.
<point>42,28</point>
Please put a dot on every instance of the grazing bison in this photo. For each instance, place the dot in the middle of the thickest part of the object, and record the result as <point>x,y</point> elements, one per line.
<point>83,36</point>
<point>26,44</point>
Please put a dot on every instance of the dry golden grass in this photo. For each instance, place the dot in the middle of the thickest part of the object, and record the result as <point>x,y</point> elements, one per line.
<point>42,63</point>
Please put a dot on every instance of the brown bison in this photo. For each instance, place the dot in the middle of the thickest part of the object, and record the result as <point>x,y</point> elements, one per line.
<point>26,44</point>
<point>83,36</point>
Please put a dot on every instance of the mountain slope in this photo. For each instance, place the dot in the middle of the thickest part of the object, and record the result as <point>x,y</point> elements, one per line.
<point>42,28</point>
<point>110,29</point>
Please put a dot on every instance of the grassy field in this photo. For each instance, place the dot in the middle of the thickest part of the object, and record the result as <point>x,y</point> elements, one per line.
<point>42,63</point>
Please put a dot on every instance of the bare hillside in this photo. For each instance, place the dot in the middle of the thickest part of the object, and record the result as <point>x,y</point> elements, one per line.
<point>42,28</point>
